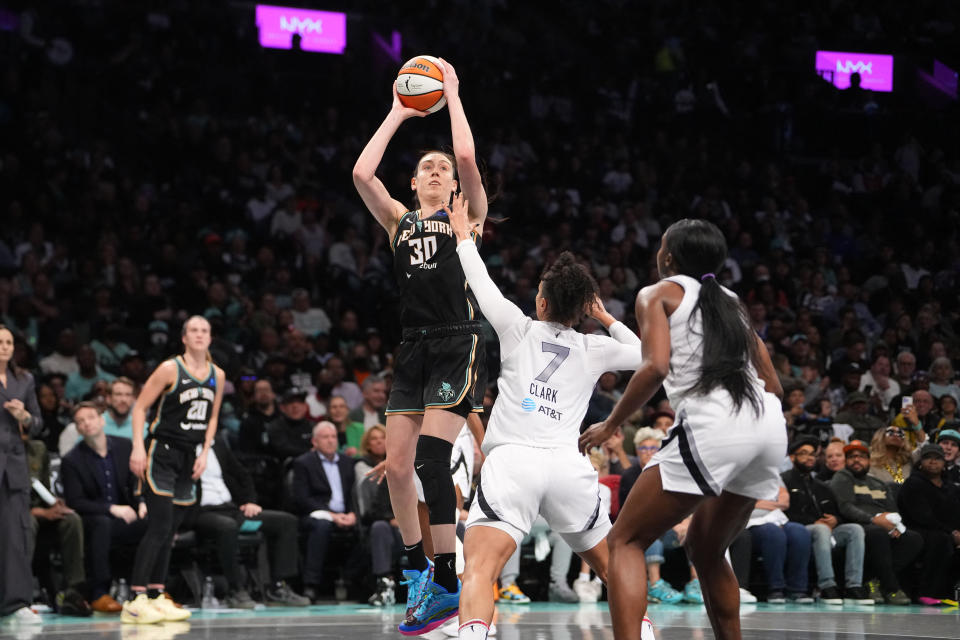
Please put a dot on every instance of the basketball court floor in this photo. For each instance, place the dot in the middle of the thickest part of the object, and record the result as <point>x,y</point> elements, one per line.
<point>537,621</point>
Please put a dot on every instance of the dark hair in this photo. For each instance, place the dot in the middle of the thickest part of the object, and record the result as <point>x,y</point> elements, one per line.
<point>12,365</point>
<point>729,344</point>
<point>568,288</point>
<point>450,158</point>
<point>86,404</point>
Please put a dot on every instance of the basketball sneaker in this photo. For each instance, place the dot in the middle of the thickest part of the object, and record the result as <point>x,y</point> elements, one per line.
<point>511,594</point>
<point>692,593</point>
<point>416,582</point>
<point>172,612</point>
<point>661,592</point>
<point>438,606</point>
<point>140,610</point>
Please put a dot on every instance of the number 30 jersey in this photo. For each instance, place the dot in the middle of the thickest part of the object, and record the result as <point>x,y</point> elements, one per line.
<point>548,370</point>
<point>185,409</point>
<point>428,272</point>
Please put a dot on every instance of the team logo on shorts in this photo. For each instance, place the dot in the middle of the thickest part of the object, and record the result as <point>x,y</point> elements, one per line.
<point>528,405</point>
<point>445,392</point>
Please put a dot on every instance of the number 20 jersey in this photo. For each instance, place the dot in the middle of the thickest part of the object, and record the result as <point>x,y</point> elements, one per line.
<point>186,408</point>
<point>429,274</point>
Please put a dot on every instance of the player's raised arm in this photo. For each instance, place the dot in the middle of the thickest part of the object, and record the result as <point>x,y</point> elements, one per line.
<point>471,184</point>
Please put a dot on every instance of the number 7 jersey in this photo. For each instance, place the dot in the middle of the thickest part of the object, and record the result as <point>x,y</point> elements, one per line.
<point>429,274</point>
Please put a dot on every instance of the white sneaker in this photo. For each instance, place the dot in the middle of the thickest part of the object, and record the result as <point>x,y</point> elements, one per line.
<point>585,590</point>
<point>597,588</point>
<point>746,597</point>
<point>646,630</point>
<point>23,616</point>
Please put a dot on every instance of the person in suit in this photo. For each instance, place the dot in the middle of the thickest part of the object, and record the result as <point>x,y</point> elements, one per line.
<point>98,485</point>
<point>227,503</point>
<point>323,484</point>
<point>19,414</point>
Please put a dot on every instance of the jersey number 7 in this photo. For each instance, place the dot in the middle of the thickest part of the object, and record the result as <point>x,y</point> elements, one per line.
<point>560,354</point>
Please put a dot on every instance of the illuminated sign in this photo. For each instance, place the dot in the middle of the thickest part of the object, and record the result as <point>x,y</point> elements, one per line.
<point>324,31</point>
<point>876,71</point>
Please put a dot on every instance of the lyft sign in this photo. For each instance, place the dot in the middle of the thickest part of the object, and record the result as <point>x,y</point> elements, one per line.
<point>876,71</point>
<point>324,31</point>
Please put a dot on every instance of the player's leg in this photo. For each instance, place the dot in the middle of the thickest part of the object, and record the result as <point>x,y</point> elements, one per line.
<point>712,530</point>
<point>401,446</point>
<point>648,512</point>
<point>486,550</point>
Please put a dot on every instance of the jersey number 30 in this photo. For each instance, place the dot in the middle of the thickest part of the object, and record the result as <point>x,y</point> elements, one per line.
<point>197,410</point>
<point>560,354</point>
<point>423,249</point>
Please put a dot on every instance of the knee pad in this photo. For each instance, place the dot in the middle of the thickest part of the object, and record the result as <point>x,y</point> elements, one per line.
<point>432,465</point>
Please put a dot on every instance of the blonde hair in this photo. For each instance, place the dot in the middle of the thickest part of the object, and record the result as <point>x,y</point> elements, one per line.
<point>878,449</point>
<point>599,460</point>
<point>365,440</point>
<point>183,332</point>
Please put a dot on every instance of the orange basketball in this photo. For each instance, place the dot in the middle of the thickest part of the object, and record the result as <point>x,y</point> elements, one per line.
<point>420,84</point>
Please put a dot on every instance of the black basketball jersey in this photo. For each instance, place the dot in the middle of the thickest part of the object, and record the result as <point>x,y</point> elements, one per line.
<point>428,271</point>
<point>185,410</point>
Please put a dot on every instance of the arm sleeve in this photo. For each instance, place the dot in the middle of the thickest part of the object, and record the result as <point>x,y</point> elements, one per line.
<point>504,316</point>
<point>622,334</point>
<point>607,354</point>
<point>32,406</point>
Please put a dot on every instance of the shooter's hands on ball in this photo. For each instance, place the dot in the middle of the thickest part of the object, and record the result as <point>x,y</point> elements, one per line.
<point>451,83</point>
<point>459,221</point>
<point>595,436</point>
<point>402,111</point>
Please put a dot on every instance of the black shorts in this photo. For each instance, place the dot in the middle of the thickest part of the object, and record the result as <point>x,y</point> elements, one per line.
<point>440,367</point>
<point>169,471</point>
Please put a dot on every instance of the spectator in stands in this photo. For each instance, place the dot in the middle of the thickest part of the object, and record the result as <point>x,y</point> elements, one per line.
<point>376,513</point>
<point>68,529</point>
<point>620,461</point>
<point>854,348</point>
<point>906,369</point>
<point>942,379</point>
<point>318,400</point>
<point>55,416</point>
<point>833,460</point>
<point>931,507</point>
<point>856,413</point>
<point>373,451</point>
<point>289,434</point>
<point>878,385</point>
<point>253,428</point>
<point>785,547</point>
<point>98,485</point>
<point>349,432</point>
<point>949,441</point>
<point>323,484</point>
<point>371,412</point>
<point>302,366</point>
<point>917,419</point>
<point>339,386</point>
<point>63,359</point>
<point>849,378</point>
<point>890,457</point>
<point>662,420</point>
<point>228,506</point>
<point>813,505</point>
<point>110,348</point>
<point>869,502</point>
<point>117,417</point>
<point>947,412</point>
<point>306,318</point>
<point>81,381</point>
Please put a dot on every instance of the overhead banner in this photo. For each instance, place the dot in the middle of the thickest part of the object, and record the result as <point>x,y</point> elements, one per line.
<point>319,31</point>
<point>876,70</point>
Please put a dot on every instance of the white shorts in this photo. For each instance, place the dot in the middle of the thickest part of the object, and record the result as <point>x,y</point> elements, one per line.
<point>518,483</point>
<point>712,448</point>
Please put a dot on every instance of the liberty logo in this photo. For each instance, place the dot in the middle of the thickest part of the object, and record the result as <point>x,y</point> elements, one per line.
<point>445,392</point>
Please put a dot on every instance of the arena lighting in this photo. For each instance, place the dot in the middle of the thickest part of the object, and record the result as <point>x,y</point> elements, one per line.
<point>876,71</point>
<point>320,31</point>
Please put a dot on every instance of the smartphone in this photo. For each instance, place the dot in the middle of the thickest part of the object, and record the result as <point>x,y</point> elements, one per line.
<point>906,402</point>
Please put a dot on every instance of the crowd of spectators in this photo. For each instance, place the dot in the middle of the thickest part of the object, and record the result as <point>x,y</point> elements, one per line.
<point>159,164</point>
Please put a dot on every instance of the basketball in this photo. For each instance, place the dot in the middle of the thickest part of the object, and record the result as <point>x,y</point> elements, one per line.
<point>420,84</point>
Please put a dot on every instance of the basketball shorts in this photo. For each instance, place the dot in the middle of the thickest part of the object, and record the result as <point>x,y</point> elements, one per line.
<point>518,483</point>
<point>169,471</point>
<point>440,367</point>
<point>712,448</point>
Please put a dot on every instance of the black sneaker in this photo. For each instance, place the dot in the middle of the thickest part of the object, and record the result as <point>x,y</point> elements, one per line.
<point>830,595</point>
<point>385,595</point>
<point>776,597</point>
<point>797,597</point>
<point>857,595</point>
<point>897,597</point>
<point>71,603</point>
<point>283,596</point>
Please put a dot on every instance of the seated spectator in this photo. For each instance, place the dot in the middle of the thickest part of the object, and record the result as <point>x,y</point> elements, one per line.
<point>941,379</point>
<point>869,502</point>
<point>289,434</point>
<point>117,418</point>
<point>306,318</point>
<point>228,506</point>
<point>890,457</point>
<point>813,505</point>
<point>949,441</point>
<point>53,413</point>
<point>931,507</point>
<point>253,429</point>
<point>81,381</point>
<point>946,410</point>
<point>111,348</point>
<point>917,419</point>
<point>620,461</point>
<point>63,359</point>
<point>336,373</point>
<point>349,432</point>
<point>785,548</point>
<point>877,383</point>
<point>98,485</point>
<point>856,414</point>
<point>833,460</point>
<point>69,531</point>
<point>906,370</point>
<point>373,451</point>
<point>323,497</point>
<point>371,412</point>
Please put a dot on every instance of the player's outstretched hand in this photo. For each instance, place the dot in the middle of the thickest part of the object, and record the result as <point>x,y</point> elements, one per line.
<point>595,436</point>
<point>405,112</point>
<point>451,83</point>
<point>459,222</point>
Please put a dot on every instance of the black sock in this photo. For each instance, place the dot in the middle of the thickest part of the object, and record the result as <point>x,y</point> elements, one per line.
<point>154,593</point>
<point>445,571</point>
<point>416,557</point>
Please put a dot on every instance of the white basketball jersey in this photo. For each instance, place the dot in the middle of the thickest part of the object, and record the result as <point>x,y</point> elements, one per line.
<point>686,344</point>
<point>546,382</point>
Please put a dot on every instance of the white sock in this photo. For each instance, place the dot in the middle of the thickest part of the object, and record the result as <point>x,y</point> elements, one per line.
<point>475,629</point>
<point>584,576</point>
<point>597,580</point>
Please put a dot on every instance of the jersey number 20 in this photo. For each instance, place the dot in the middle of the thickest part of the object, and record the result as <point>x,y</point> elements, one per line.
<point>423,249</point>
<point>197,410</point>
<point>560,354</point>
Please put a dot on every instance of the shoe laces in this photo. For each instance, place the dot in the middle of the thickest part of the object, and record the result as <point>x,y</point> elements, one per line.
<point>425,603</point>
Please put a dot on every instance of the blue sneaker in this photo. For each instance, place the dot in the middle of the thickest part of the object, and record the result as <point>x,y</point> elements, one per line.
<point>692,593</point>
<point>438,606</point>
<point>661,592</point>
<point>416,582</point>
